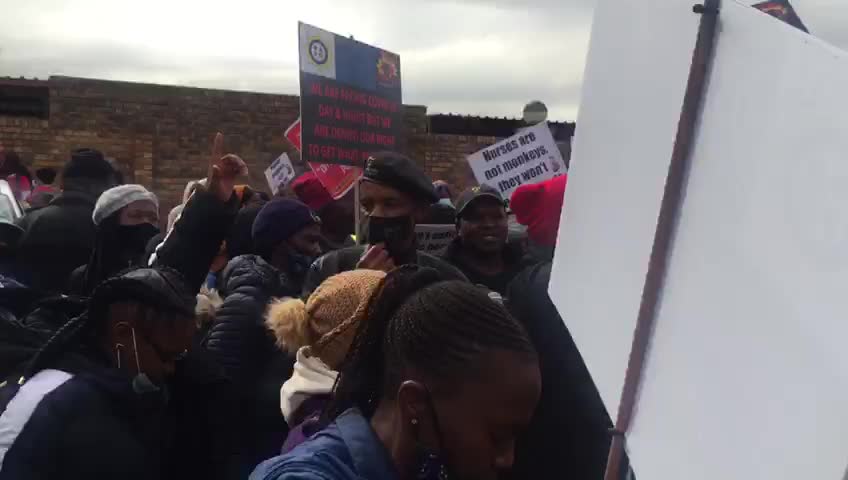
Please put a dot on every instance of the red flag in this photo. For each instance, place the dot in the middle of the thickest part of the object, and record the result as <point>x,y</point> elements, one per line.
<point>337,179</point>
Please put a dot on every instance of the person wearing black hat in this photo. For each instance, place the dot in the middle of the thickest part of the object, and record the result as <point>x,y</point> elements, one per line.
<point>107,395</point>
<point>60,237</point>
<point>480,248</point>
<point>286,235</point>
<point>394,195</point>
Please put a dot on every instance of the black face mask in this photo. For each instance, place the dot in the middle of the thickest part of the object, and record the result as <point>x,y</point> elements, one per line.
<point>133,239</point>
<point>395,232</point>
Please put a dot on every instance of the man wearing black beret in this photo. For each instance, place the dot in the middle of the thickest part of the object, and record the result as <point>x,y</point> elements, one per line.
<point>394,194</point>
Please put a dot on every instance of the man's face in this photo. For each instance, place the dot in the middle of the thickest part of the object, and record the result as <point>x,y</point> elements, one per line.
<point>307,241</point>
<point>381,201</point>
<point>483,226</point>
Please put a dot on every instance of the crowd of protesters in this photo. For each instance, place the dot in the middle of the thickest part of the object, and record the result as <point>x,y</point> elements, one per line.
<point>257,337</point>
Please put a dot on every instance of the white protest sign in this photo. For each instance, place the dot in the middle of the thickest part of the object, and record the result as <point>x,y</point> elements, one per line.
<point>530,156</point>
<point>279,174</point>
<point>747,372</point>
<point>434,239</point>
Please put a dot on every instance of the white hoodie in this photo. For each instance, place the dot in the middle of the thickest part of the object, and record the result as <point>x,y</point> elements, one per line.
<point>310,377</point>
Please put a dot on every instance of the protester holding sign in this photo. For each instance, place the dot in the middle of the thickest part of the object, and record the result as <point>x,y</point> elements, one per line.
<point>394,195</point>
<point>480,250</point>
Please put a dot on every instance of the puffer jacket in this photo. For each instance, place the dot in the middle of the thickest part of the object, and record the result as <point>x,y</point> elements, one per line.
<point>244,347</point>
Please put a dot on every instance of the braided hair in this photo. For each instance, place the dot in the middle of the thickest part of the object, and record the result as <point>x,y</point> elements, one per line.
<point>79,333</point>
<point>415,320</point>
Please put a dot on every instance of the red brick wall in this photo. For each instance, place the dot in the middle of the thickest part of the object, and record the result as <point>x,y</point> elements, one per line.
<point>159,135</point>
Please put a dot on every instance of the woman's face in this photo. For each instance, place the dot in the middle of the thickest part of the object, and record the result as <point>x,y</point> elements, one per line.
<point>480,419</point>
<point>152,341</point>
<point>139,212</point>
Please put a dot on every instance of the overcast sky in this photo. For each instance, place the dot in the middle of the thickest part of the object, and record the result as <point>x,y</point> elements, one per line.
<point>476,57</point>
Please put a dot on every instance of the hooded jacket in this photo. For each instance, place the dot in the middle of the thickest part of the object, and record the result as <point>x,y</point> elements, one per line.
<point>304,396</point>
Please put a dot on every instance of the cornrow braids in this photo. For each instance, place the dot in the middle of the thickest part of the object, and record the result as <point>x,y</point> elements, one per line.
<point>417,321</point>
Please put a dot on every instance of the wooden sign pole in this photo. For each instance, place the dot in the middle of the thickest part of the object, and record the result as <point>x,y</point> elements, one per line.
<point>670,207</point>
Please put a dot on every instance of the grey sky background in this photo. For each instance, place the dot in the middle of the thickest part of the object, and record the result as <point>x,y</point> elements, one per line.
<point>475,57</point>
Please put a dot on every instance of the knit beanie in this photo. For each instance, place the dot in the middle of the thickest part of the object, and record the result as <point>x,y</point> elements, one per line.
<point>311,191</point>
<point>328,321</point>
<point>119,197</point>
<point>538,206</point>
<point>278,220</point>
<point>87,163</point>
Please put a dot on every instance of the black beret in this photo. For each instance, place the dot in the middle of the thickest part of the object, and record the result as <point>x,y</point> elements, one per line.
<point>400,172</point>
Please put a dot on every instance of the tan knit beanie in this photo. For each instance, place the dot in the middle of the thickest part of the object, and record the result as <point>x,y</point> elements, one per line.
<point>327,322</point>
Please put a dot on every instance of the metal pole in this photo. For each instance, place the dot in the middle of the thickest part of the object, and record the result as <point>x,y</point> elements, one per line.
<point>666,226</point>
<point>357,211</point>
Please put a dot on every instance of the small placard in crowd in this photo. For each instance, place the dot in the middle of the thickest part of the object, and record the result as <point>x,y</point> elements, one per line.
<point>529,156</point>
<point>434,239</point>
<point>279,174</point>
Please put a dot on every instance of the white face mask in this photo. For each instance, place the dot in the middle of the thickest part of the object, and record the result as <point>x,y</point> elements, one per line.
<point>445,201</point>
<point>141,383</point>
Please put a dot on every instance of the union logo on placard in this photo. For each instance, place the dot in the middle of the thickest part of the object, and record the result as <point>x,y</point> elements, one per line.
<point>388,72</point>
<point>318,52</point>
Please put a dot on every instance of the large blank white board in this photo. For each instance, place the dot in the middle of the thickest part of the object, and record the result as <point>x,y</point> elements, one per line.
<point>747,375</point>
<point>633,88</point>
<point>748,371</point>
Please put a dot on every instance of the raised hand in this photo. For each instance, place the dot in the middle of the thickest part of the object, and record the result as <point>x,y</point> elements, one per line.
<point>223,170</point>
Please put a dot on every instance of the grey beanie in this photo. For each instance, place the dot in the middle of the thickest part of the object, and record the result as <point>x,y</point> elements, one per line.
<point>119,197</point>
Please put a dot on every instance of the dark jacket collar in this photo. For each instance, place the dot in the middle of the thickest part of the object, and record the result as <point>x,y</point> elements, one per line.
<point>70,197</point>
<point>512,254</point>
<point>370,457</point>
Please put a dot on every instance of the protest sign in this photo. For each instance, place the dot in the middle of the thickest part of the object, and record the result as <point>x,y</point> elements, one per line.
<point>279,174</point>
<point>337,179</point>
<point>434,239</point>
<point>350,98</point>
<point>530,156</point>
<point>746,361</point>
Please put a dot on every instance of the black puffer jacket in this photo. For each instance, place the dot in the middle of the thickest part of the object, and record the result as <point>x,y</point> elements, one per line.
<point>245,348</point>
<point>57,239</point>
<point>568,436</point>
<point>345,260</point>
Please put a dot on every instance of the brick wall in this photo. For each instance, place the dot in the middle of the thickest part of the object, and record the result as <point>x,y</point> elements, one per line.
<point>159,135</point>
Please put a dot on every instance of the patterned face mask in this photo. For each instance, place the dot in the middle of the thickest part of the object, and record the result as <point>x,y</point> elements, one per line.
<point>431,465</point>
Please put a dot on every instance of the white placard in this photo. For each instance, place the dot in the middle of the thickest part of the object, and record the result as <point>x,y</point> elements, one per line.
<point>621,152</point>
<point>279,174</point>
<point>530,156</point>
<point>747,373</point>
<point>434,239</point>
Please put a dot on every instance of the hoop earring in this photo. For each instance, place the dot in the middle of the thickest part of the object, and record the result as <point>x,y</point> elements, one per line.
<point>118,347</point>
